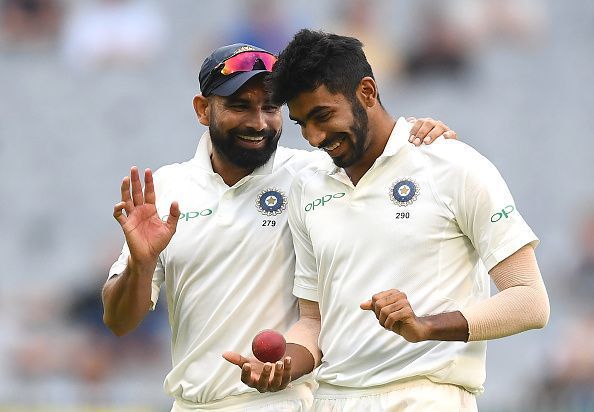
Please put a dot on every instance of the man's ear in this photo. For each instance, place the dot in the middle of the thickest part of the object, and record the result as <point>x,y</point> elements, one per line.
<point>202,109</point>
<point>367,91</point>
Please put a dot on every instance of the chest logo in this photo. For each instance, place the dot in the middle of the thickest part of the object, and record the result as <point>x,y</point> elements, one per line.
<point>404,192</point>
<point>271,202</point>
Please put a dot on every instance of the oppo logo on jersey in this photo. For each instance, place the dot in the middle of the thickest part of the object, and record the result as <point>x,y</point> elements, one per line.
<point>190,215</point>
<point>322,201</point>
<point>502,214</point>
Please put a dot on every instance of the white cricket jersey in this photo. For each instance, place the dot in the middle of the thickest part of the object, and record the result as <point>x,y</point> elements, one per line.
<point>228,269</point>
<point>429,221</point>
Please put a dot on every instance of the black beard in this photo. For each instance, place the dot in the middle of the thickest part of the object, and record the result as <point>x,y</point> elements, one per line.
<point>359,131</point>
<point>225,145</point>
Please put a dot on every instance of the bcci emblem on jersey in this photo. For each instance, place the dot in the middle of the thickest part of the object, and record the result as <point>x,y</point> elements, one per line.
<point>404,192</point>
<point>271,202</point>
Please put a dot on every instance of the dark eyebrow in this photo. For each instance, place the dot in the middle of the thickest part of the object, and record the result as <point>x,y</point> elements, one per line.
<point>234,99</point>
<point>311,113</point>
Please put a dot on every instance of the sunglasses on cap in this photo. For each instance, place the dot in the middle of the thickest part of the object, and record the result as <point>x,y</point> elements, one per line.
<point>246,62</point>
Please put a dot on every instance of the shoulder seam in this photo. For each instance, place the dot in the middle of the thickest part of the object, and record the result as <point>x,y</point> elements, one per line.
<point>433,186</point>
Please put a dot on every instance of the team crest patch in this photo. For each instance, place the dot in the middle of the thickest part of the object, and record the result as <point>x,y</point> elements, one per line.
<point>404,192</point>
<point>271,202</point>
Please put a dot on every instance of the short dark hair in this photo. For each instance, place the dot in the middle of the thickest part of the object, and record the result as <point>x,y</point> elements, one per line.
<point>316,58</point>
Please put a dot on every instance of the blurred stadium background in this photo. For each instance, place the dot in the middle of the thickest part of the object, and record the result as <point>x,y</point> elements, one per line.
<point>88,88</point>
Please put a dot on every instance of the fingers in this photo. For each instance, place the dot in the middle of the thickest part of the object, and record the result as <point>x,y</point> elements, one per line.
<point>246,375</point>
<point>434,133</point>
<point>125,191</point>
<point>416,138</point>
<point>281,376</point>
<point>137,196</point>
<point>132,194</point>
<point>119,214</point>
<point>420,129</point>
<point>370,304</point>
<point>131,190</point>
<point>396,316</point>
<point>149,187</point>
<point>235,358</point>
<point>384,303</point>
<point>395,313</point>
<point>173,217</point>
<point>426,130</point>
<point>262,385</point>
<point>386,300</point>
<point>387,312</point>
<point>380,298</point>
<point>415,128</point>
<point>450,134</point>
<point>277,378</point>
<point>287,373</point>
<point>426,127</point>
<point>252,380</point>
<point>272,378</point>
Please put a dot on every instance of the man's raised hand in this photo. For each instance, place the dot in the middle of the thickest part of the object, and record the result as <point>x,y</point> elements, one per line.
<point>146,235</point>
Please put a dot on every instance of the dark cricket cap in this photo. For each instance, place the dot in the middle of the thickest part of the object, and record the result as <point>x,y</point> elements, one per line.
<point>213,82</point>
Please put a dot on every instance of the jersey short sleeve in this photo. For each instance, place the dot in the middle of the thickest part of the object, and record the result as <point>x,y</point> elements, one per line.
<point>158,276</point>
<point>487,214</point>
<point>306,272</point>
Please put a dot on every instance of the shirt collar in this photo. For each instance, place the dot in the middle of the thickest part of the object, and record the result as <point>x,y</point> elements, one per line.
<point>204,151</point>
<point>398,138</point>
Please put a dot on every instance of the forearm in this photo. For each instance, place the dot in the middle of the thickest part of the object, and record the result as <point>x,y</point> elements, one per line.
<point>450,326</point>
<point>302,340</point>
<point>509,312</point>
<point>302,361</point>
<point>127,298</point>
<point>521,304</point>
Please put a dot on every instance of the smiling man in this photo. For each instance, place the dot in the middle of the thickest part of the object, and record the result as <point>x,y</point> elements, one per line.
<point>232,247</point>
<point>386,232</point>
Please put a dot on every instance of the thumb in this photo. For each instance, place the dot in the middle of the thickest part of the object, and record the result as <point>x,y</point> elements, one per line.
<point>235,358</point>
<point>367,305</point>
<point>173,217</point>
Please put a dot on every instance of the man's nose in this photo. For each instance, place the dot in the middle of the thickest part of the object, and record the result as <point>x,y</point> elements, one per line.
<point>256,120</point>
<point>313,135</point>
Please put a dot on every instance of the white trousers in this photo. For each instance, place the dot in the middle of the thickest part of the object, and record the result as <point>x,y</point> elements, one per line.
<point>418,395</point>
<point>296,398</point>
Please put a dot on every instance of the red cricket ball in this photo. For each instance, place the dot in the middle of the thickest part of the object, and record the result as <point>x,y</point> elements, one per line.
<point>269,346</point>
